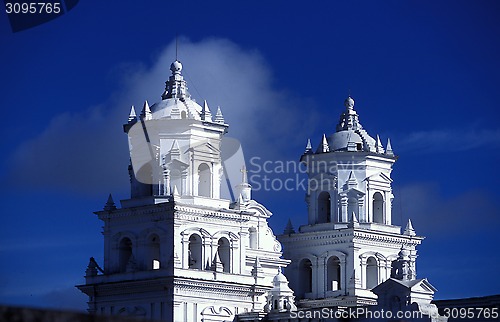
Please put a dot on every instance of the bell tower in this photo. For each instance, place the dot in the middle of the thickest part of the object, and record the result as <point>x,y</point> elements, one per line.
<point>349,243</point>
<point>175,146</point>
<point>175,250</point>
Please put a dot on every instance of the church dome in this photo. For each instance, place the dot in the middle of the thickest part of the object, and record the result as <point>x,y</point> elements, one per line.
<point>175,108</point>
<point>350,135</point>
<point>339,141</point>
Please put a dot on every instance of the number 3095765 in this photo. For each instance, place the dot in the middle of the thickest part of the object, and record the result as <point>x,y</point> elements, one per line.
<point>33,7</point>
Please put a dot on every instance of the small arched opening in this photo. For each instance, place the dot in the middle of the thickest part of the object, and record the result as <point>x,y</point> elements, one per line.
<point>125,252</point>
<point>252,235</point>
<point>195,252</point>
<point>154,252</point>
<point>305,277</point>
<point>371,273</point>
<point>378,208</point>
<point>324,207</point>
<point>204,180</point>
<point>333,274</point>
<point>224,250</point>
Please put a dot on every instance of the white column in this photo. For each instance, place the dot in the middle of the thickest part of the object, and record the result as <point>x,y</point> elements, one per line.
<point>185,250</point>
<point>362,264</point>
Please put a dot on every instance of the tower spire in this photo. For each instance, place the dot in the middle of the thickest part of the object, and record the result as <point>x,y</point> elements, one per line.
<point>176,46</point>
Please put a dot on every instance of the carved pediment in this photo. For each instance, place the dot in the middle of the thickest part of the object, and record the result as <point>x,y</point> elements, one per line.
<point>205,147</point>
<point>221,314</point>
<point>379,177</point>
<point>405,287</point>
<point>353,192</point>
<point>177,164</point>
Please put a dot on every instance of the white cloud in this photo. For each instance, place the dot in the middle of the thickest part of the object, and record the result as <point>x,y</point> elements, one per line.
<point>434,213</point>
<point>86,151</point>
<point>449,140</point>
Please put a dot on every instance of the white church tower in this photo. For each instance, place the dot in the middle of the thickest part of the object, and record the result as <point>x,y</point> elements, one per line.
<point>176,251</point>
<point>349,244</point>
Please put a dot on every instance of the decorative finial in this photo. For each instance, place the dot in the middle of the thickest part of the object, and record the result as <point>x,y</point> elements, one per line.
<point>289,228</point>
<point>378,146</point>
<point>388,150</point>
<point>324,147</point>
<point>409,231</point>
<point>176,86</point>
<point>206,115</point>
<point>176,67</point>
<point>110,204</point>
<point>308,147</point>
<point>217,265</point>
<point>219,118</point>
<point>349,103</point>
<point>351,182</point>
<point>244,174</point>
<point>132,115</point>
<point>146,111</point>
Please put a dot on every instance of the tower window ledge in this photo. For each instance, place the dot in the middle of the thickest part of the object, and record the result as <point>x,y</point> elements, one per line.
<point>380,227</point>
<point>334,293</point>
<point>322,227</point>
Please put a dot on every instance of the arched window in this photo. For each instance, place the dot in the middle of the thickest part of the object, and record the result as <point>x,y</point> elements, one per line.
<point>183,115</point>
<point>378,208</point>
<point>333,274</point>
<point>352,207</point>
<point>205,180</point>
<point>125,252</point>
<point>324,207</point>
<point>371,273</point>
<point>154,252</point>
<point>224,251</point>
<point>194,252</point>
<point>305,277</point>
<point>252,234</point>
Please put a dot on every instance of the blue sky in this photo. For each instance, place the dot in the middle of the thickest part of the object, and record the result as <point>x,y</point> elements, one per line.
<point>424,73</point>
